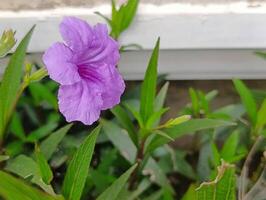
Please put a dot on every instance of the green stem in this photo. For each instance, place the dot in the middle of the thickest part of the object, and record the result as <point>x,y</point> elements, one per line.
<point>139,157</point>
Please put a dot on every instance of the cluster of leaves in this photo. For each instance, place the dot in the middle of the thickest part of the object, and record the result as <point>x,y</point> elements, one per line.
<point>128,154</point>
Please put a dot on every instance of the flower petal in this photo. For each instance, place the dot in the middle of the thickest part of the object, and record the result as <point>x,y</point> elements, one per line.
<point>80,102</point>
<point>114,87</point>
<point>76,33</point>
<point>57,60</point>
<point>103,49</point>
<point>110,82</point>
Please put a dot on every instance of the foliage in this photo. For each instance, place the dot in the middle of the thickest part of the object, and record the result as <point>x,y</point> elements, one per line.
<point>129,154</point>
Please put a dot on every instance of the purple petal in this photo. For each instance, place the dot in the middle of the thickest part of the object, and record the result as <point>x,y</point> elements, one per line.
<point>110,82</point>
<point>114,88</point>
<point>57,60</point>
<point>103,49</point>
<point>76,33</point>
<point>80,102</point>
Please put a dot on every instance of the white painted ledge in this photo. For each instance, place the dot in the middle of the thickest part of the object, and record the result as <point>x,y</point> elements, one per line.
<point>188,33</point>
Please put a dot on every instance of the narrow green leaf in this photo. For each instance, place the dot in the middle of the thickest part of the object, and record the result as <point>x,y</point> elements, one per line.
<point>126,122</point>
<point>41,92</point>
<point>155,117</point>
<point>128,150</point>
<point>113,191</point>
<point>129,11</point>
<point>11,82</point>
<point>44,168</point>
<point>41,132</point>
<point>120,139</point>
<point>160,98</point>
<point>247,100</point>
<point>16,127</point>
<point>161,133</point>
<point>190,193</point>
<point>12,188</point>
<point>26,168</point>
<point>3,158</point>
<point>78,168</point>
<point>222,188</point>
<point>194,101</point>
<point>176,121</point>
<point>188,127</point>
<point>155,196</point>
<point>7,41</point>
<point>261,54</point>
<point>49,145</point>
<point>261,119</point>
<point>216,157</point>
<point>229,149</point>
<point>211,95</point>
<point>135,113</point>
<point>148,88</point>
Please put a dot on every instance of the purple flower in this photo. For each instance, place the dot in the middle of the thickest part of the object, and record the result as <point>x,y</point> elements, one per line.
<point>85,68</point>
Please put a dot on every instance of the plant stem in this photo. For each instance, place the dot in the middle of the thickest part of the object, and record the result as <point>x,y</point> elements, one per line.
<point>139,158</point>
<point>245,169</point>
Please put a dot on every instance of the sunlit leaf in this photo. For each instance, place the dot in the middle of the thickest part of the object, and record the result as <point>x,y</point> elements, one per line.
<point>10,84</point>
<point>78,168</point>
<point>148,88</point>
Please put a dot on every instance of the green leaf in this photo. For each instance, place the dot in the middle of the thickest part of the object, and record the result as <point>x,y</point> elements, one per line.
<point>129,11</point>
<point>216,157</point>
<point>126,122</point>
<point>247,100</point>
<point>41,92</point>
<point>113,191</point>
<point>161,133</point>
<point>11,82</point>
<point>148,88</point>
<point>12,188</point>
<point>142,187</point>
<point>261,54</point>
<point>211,95</point>
<point>182,166</point>
<point>128,150</point>
<point>190,126</point>
<point>176,121</point>
<point>120,139</point>
<point>261,119</point>
<point>194,101</point>
<point>49,145</point>
<point>229,149</point>
<point>41,132</point>
<point>16,127</point>
<point>3,158</point>
<point>222,188</point>
<point>78,168</point>
<point>44,168</point>
<point>122,18</point>
<point>135,113</point>
<point>26,167</point>
<point>155,117</point>
<point>7,41</point>
<point>160,98</point>
<point>155,195</point>
<point>190,193</point>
